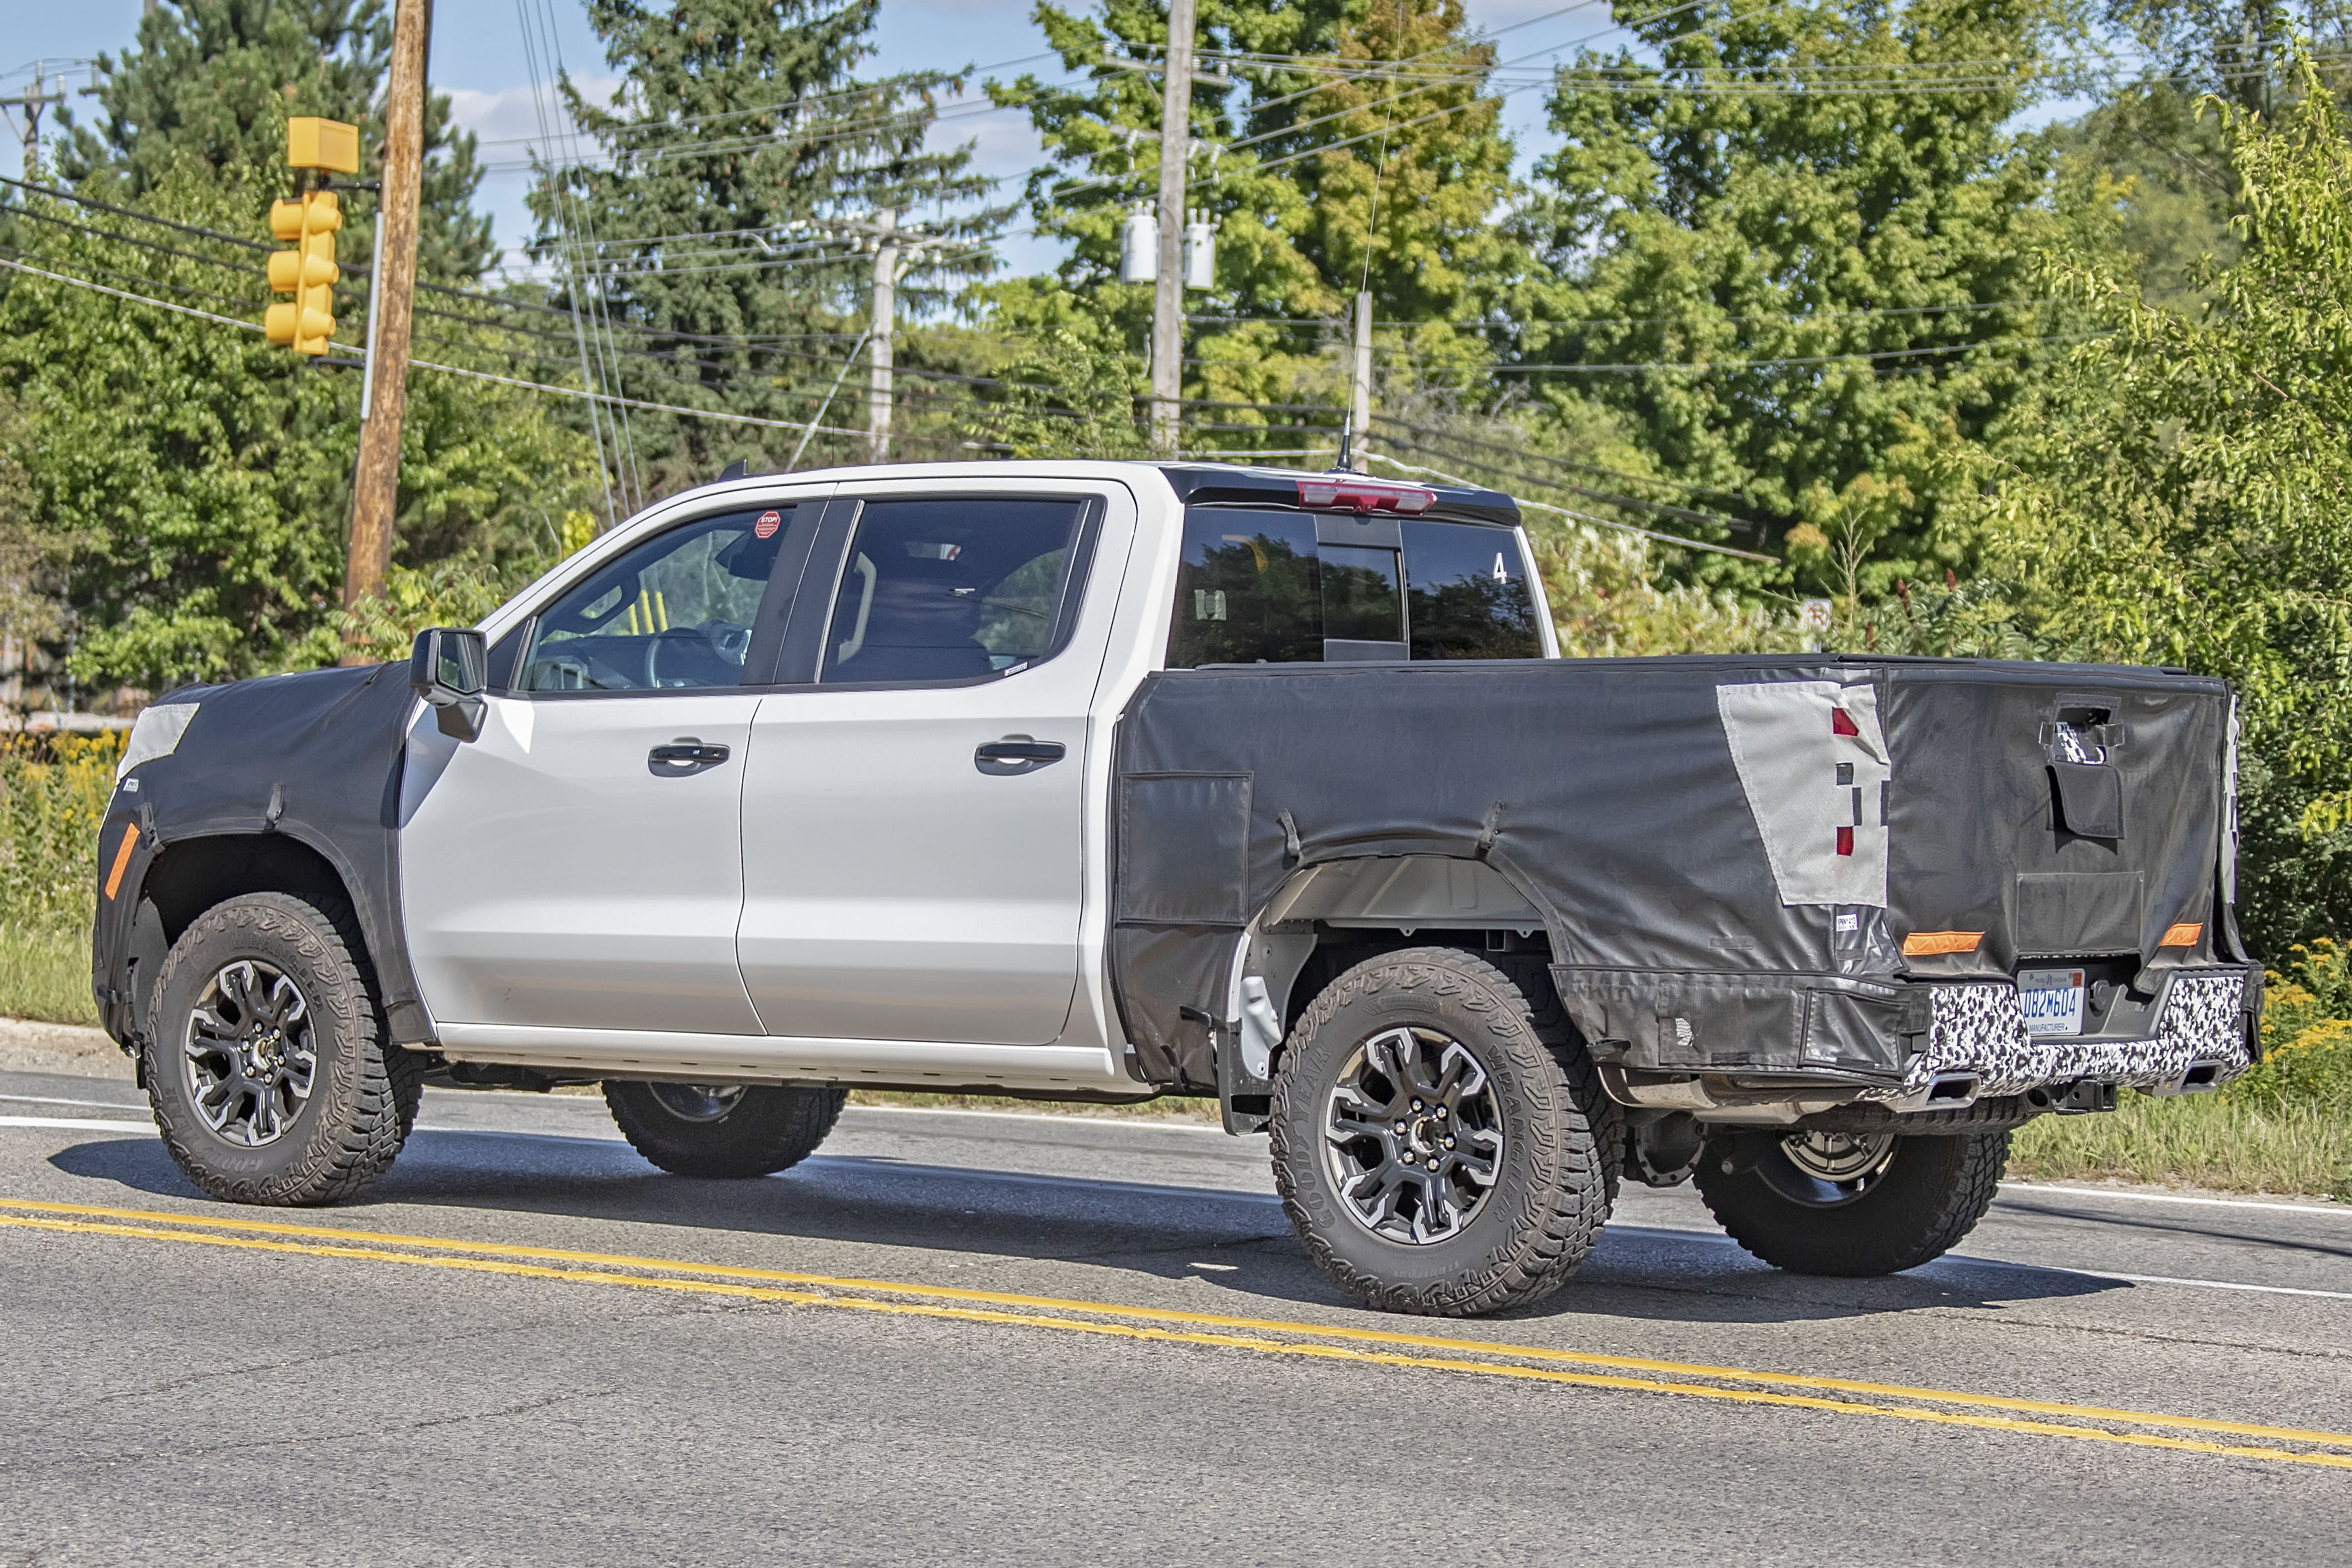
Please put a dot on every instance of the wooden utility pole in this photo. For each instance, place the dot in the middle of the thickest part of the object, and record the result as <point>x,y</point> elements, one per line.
<point>881,325</point>
<point>376,486</point>
<point>1168,289</point>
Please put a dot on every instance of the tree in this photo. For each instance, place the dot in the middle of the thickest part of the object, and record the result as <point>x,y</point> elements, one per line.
<point>200,477</point>
<point>1353,132</point>
<point>723,233</point>
<point>1823,235</point>
<point>214,81</point>
<point>2183,495</point>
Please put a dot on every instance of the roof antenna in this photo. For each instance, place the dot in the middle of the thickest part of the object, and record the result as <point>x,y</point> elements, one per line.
<point>1347,443</point>
<point>741,468</point>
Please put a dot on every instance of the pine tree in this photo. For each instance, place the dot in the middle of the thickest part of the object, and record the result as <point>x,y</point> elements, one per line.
<point>722,231</point>
<point>1350,126</point>
<point>214,81</point>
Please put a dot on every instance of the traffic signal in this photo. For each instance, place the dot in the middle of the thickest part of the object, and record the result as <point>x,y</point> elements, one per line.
<point>307,271</point>
<point>310,223</point>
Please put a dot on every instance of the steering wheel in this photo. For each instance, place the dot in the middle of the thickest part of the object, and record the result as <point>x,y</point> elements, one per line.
<point>729,642</point>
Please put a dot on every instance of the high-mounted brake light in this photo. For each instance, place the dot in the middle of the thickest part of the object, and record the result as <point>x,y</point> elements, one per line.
<point>1361,496</point>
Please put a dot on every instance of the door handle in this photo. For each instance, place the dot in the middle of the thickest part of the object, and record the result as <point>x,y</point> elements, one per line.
<point>1016,755</point>
<point>683,757</point>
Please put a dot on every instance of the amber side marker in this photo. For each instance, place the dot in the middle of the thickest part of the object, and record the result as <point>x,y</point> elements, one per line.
<point>1923,944</point>
<point>121,860</point>
<point>2184,934</point>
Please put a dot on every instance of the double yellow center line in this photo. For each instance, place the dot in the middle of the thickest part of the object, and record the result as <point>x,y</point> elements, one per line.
<point>1480,1358</point>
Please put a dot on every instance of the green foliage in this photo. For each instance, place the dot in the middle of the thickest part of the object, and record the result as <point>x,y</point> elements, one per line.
<point>743,120</point>
<point>54,790</point>
<point>214,81</point>
<point>1392,182</point>
<point>452,593</point>
<point>1071,398</point>
<point>1696,216</point>
<point>200,477</point>
<point>2179,495</point>
<point>2306,1032</point>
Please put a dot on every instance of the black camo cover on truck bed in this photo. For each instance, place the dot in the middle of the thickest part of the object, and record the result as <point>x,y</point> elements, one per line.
<point>1729,853</point>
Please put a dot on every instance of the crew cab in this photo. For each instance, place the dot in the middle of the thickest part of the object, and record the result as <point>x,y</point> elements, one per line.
<point>1107,781</point>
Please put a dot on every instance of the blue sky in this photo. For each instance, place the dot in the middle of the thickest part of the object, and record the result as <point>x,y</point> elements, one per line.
<point>478,60</point>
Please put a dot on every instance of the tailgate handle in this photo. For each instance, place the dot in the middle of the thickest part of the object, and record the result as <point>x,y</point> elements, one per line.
<point>1016,755</point>
<point>685,755</point>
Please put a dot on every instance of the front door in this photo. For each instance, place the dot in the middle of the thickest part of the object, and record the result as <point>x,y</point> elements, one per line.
<point>580,865</point>
<point>914,815</point>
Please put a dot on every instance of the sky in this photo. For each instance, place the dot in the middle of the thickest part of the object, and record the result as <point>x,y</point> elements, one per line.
<point>478,60</point>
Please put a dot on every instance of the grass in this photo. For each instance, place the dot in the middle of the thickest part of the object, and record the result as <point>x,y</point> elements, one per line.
<point>2232,1145</point>
<point>45,974</point>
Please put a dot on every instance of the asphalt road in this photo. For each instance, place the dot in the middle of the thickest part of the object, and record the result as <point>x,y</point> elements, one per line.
<point>1003,1338</point>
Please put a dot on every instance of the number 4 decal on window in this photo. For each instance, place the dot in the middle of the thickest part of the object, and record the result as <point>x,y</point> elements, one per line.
<point>1502,572</point>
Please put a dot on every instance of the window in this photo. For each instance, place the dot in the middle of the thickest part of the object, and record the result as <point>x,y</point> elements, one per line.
<point>1254,587</point>
<point>954,589</point>
<point>676,613</point>
<point>1249,590</point>
<point>1360,601</point>
<point>1467,596</point>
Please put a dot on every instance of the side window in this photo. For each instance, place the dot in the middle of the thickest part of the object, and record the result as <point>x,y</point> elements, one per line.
<point>953,589</point>
<point>1250,590</point>
<point>676,613</point>
<point>1254,587</point>
<point>1467,594</point>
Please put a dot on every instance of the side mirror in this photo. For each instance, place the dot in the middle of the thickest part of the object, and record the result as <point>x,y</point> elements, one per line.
<point>448,668</point>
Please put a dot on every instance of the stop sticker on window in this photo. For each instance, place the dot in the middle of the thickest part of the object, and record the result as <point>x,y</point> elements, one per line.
<point>768,523</point>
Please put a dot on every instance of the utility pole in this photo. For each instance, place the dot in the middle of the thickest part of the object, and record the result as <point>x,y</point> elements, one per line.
<point>1359,406</point>
<point>1168,291</point>
<point>880,326</point>
<point>376,484</point>
<point>31,102</point>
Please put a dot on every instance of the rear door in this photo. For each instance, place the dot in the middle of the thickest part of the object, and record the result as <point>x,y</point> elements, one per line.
<point>579,865</point>
<point>915,806</point>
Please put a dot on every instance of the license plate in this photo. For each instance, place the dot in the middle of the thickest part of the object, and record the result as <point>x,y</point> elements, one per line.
<point>2052,999</point>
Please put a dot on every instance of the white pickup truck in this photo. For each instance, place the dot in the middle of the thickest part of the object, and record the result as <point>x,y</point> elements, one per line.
<point>1104,781</point>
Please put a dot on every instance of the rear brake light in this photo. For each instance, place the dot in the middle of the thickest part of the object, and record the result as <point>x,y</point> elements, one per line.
<point>1360,496</point>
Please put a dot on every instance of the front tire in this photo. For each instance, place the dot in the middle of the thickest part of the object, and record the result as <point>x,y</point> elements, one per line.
<point>1854,1205</point>
<point>723,1132</point>
<point>267,1067</point>
<point>1436,1151</point>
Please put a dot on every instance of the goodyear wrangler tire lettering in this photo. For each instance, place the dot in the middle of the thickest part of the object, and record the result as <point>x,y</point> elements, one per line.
<point>1394,1214</point>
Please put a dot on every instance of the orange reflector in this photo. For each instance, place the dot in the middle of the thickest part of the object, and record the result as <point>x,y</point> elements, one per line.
<point>1923,944</point>
<point>2185,934</point>
<point>122,858</point>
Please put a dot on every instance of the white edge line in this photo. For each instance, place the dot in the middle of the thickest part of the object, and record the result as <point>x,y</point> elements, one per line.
<point>59,1099</point>
<point>79,1124</point>
<point>2318,1207</point>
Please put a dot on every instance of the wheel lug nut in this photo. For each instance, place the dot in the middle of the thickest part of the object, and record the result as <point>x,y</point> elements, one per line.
<point>1432,1165</point>
<point>1441,1110</point>
<point>1449,1142</point>
<point>1400,1127</point>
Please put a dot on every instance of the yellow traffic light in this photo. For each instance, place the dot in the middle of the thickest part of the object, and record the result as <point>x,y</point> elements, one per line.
<point>308,272</point>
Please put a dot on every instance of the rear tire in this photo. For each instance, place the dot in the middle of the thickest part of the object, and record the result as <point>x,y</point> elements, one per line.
<point>1902,1200</point>
<point>725,1133</point>
<point>267,1065</point>
<point>1437,1150</point>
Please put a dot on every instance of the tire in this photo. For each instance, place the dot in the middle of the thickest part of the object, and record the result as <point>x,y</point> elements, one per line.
<point>696,1130</point>
<point>269,1068</point>
<point>1926,1195</point>
<point>1518,1199</point>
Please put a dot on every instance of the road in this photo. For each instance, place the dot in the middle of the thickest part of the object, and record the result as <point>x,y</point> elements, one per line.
<point>1011,1338</point>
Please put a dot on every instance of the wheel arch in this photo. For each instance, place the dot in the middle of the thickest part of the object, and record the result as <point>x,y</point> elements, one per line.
<point>1328,917</point>
<point>176,883</point>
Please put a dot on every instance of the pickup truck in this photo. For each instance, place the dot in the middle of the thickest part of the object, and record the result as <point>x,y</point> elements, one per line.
<point>1097,781</point>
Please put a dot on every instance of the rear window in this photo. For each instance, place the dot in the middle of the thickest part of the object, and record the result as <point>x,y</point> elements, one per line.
<point>1253,587</point>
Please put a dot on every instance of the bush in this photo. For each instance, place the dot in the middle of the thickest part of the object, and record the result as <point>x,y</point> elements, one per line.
<point>54,790</point>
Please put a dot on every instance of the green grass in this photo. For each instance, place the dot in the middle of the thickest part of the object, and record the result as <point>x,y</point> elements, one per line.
<point>2232,1145</point>
<point>45,974</point>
